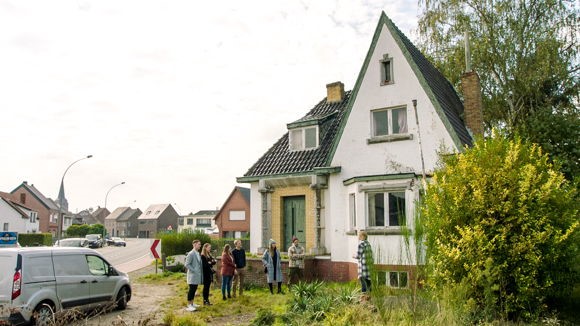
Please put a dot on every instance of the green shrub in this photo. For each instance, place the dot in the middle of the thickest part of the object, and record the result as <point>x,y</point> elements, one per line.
<point>180,243</point>
<point>502,231</point>
<point>35,239</point>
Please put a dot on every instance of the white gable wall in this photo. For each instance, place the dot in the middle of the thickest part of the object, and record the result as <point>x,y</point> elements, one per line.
<point>15,221</point>
<point>357,158</point>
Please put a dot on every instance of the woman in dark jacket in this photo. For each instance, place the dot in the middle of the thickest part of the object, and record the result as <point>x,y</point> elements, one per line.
<point>207,262</point>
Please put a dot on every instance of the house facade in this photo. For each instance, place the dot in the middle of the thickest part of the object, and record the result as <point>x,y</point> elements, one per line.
<point>233,218</point>
<point>202,220</point>
<point>155,219</point>
<point>122,222</point>
<point>358,161</point>
<point>17,218</point>
<point>47,210</point>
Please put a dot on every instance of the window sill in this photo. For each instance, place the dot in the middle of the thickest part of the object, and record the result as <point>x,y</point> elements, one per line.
<point>389,138</point>
<point>393,230</point>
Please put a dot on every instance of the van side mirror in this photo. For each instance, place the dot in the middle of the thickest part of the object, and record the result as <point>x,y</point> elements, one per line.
<point>112,271</point>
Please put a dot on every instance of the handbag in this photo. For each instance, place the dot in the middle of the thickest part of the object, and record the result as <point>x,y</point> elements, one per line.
<point>266,269</point>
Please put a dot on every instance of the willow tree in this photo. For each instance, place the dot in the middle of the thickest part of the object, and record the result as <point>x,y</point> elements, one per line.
<point>526,53</point>
<point>502,231</point>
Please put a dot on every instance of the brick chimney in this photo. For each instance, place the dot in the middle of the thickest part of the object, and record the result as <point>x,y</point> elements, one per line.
<point>473,113</point>
<point>334,92</point>
<point>472,102</point>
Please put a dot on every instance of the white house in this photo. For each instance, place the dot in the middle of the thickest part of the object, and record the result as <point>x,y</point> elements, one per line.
<point>17,218</point>
<point>359,159</point>
<point>202,220</point>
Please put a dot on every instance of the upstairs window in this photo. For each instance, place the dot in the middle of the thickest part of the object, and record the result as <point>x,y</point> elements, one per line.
<point>303,138</point>
<point>386,70</point>
<point>386,209</point>
<point>389,122</point>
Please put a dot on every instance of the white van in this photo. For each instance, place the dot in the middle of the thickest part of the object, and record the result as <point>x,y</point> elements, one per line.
<point>38,282</point>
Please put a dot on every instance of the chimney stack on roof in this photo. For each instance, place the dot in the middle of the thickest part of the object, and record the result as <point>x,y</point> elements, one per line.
<point>472,102</point>
<point>334,92</point>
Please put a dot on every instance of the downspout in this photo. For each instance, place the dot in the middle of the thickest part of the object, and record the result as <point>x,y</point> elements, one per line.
<point>424,181</point>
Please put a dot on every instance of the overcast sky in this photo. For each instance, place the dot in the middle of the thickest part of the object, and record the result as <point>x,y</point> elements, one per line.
<point>175,98</point>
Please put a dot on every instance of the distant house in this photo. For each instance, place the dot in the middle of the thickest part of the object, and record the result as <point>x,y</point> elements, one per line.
<point>157,218</point>
<point>233,219</point>
<point>47,209</point>
<point>15,217</point>
<point>202,220</point>
<point>358,160</point>
<point>122,222</point>
<point>90,216</point>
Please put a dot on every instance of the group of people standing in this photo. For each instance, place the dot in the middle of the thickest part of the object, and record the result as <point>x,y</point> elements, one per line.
<point>200,270</point>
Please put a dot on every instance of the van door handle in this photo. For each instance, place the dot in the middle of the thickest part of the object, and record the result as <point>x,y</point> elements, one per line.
<point>95,281</point>
<point>83,282</point>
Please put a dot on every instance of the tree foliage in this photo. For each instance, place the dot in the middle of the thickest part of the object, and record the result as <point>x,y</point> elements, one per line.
<point>526,53</point>
<point>81,230</point>
<point>502,229</point>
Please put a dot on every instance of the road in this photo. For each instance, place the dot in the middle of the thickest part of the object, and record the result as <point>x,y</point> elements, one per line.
<point>134,256</point>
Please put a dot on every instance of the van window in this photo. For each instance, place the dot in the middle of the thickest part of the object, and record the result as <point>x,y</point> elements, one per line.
<point>69,265</point>
<point>97,266</point>
<point>39,269</point>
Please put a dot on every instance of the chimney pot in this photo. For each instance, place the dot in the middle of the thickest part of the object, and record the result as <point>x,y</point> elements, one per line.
<point>334,92</point>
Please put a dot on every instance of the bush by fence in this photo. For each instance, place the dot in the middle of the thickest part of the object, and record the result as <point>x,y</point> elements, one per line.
<point>35,239</point>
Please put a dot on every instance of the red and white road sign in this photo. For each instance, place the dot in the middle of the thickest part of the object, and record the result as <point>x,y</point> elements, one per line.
<point>156,248</point>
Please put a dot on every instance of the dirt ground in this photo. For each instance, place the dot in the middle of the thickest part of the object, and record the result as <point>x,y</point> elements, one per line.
<point>143,309</point>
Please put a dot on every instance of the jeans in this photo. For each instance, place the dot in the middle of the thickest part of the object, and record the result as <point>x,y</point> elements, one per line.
<point>226,284</point>
<point>365,284</point>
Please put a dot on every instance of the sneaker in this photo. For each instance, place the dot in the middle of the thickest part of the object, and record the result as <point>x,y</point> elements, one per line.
<point>207,303</point>
<point>190,308</point>
<point>195,305</point>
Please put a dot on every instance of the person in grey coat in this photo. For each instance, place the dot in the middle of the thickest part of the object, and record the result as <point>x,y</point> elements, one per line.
<point>272,261</point>
<point>194,274</point>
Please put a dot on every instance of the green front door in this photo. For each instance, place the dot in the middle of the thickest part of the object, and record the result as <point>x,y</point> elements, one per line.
<point>294,220</point>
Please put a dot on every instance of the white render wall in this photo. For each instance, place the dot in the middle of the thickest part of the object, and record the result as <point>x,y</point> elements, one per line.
<point>255,218</point>
<point>15,221</point>
<point>402,156</point>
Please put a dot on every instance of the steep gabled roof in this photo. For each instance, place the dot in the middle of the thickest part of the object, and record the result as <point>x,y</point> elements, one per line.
<point>46,202</point>
<point>115,214</point>
<point>245,192</point>
<point>16,207</point>
<point>280,160</point>
<point>440,91</point>
<point>153,212</point>
<point>129,214</point>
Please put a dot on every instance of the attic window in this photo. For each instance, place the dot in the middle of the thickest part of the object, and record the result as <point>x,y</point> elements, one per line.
<point>387,70</point>
<point>303,138</point>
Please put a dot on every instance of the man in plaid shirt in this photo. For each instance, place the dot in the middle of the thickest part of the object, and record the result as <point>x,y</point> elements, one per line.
<point>364,257</point>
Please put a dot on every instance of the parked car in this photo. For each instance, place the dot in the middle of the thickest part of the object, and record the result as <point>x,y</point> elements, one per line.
<point>95,240</point>
<point>72,242</point>
<point>42,282</point>
<point>118,242</point>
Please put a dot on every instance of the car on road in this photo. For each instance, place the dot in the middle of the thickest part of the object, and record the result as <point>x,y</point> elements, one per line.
<point>40,284</point>
<point>118,242</point>
<point>72,242</point>
<point>95,240</point>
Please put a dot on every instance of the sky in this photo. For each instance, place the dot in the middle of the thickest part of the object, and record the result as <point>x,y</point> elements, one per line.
<point>174,98</point>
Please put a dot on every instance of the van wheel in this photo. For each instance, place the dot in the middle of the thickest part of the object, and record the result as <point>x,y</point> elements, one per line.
<point>43,315</point>
<point>122,299</point>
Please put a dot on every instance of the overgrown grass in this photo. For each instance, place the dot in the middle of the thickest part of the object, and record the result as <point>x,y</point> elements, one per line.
<point>317,303</point>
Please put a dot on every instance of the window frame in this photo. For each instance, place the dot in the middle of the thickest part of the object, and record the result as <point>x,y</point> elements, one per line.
<point>375,124</point>
<point>301,144</point>
<point>352,210</point>
<point>386,66</point>
<point>386,217</point>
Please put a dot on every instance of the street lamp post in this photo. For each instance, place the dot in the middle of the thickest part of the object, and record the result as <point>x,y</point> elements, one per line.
<point>61,198</point>
<point>107,195</point>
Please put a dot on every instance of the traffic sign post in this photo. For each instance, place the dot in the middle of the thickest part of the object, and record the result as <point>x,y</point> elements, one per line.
<point>156,250</point>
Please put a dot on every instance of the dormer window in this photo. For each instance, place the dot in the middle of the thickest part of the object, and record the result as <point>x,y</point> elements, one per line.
<point>303,138</point>
<point>387,70</point>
